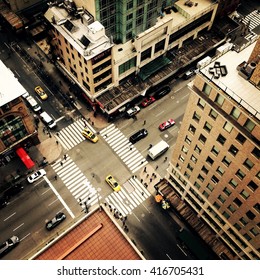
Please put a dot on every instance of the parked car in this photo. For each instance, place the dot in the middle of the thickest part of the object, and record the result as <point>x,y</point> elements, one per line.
<point>8,245</point>
<point>3,202</point>
<point>190,73</point>
<point>113,183</point>
<point>140,134</point>
<point>12,191</point>
<point>161,92</point>
<point>166,124</point>
<point>42,94</point>
<point>148,101</point>
<point>89,135</point>
<point>51,224</point>
<point>36,175</point>
<point>132,111</point>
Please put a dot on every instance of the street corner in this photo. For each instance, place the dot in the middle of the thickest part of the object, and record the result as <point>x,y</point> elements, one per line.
<point>96,120</point>
<point>50,149</point>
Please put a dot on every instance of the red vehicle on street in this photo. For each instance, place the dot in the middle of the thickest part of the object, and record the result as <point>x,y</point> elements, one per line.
<point>166,124</point>
<point>149,100</point>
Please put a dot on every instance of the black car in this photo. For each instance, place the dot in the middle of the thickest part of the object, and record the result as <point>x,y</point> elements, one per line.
<point>140,134</point>
<point>161,92</point>
<point>12,191</point>
<point>59,217</point>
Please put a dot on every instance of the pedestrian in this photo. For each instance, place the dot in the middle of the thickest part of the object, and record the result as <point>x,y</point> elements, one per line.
<point>55,177</point>
<point>65,156</point>
<point>57,142</point>
<point>151,179</point>
<point>49,134</point>
<point>145,169</point>
<point>61,163</point>
<point>142,193</point>
<point>58,134</point>
<point>141,180</point>
<point>153,174</point>
<point>150,146</point>
<point>144,122</point>
<point>131,148</point>
<point>92,123</point>
<point>147,175</point>
<point>165,159</point>
<point>156,167</point>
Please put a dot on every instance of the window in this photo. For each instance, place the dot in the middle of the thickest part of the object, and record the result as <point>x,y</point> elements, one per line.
<point>200,178</point>
<point>249,125</point>
<point>197,149</point>
<point>211,188</point>
<point>221,139</point>
<point>194,159</point>
<point>250,215</point>
<point>205,194</point>
<point>227,191</point>
<point>248,164</point>
<point>256,152</point>
<point>129,5</point>
<point>213,114</point>
<point>231,208</point>
<point>204,169</point>
<point>240,138</point>
<point>226,215</point>
<point>190,167</point>
<point>257,207</point>
<point>252,186</point>
<point>201,103</point>
<point>233,150</point>
<point>186,174</point>
<point>181,158</point>
<point>209,160</point>
<point>214,179</point>
<point>235,113</point>
<point>215,150</point>
<point>202,138</point>
<point>188,139</point>
<point>207,126</point>
<point>220,170</point>
<point>197,185</point>
<point>233,183</point>
<point>258,175</point>
<point>219,100</point>
<point>240,174</point>
<point>247,237</point>
<point>226,161</point>
<point>196,117</point>
<point>184,149</point>
<point>192,129</point>
<point>216,205</point>
<point>243,221</point>
<point>254,231</point>
<point>206,89</point>
<point>244,194</point>
<point>237,226</point>
<point>237,202</point>
<point>228,126</point>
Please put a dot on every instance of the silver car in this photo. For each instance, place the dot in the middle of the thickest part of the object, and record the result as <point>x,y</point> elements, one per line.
<point>36,175</point>
<point>8,245</point>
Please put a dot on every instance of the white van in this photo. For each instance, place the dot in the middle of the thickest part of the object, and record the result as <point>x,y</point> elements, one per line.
<point>158,150</point>
<point>48,120</point>
<point>33,103</point>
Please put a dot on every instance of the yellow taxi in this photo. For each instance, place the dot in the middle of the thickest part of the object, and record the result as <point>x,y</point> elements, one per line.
<point>42,94</point>
<point>113,183</point>
<point>89,135</point>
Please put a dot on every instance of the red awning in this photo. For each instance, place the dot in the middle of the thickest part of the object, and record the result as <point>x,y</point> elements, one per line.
<point>25,158</point>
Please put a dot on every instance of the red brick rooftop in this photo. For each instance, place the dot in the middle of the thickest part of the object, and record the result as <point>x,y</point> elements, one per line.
<point>95,238</point>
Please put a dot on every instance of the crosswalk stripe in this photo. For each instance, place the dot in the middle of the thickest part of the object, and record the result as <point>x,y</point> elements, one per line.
<point>138,166</point>
<point>131,157</point>
<point>113,201</point>
<point>129,198</point>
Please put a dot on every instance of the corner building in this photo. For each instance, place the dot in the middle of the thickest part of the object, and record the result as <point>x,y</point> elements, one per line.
<point>214,170</point>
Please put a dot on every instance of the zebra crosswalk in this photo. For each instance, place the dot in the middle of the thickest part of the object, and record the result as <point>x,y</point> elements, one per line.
<point>131,157</point>
<point>71,136</point>
<point>132,194</point>
<point>252,19</point>
<point>76,182</point>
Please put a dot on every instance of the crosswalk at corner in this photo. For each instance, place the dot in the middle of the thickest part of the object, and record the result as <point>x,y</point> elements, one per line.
<point>76,182</point>
<point>128,153</point>
<point>132,194</point>
<point>71,136</point>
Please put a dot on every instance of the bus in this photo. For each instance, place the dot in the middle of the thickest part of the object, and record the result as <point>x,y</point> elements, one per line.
<point>158,149</point>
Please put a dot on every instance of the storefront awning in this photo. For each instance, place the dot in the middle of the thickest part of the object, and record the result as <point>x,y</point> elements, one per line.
<point>25,158</point>
<point>153,67</point>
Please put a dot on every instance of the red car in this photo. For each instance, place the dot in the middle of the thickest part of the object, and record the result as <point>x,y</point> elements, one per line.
<point>166,124</point>
<point>148,101</point>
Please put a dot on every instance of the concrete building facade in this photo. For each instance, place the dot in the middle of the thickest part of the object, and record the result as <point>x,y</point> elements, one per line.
<point>214,170</point>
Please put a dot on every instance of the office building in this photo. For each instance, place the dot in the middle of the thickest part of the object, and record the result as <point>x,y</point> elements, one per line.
<point>17,127</point>
<point>214,170</point>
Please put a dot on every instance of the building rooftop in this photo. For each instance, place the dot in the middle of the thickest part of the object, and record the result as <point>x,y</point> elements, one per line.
<point>78,27</point>
<point>233,82</point>
<point>95,237</point>
<point>10,88</point>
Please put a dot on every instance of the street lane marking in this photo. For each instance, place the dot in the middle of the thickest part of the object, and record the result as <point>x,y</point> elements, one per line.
<point>59,197</point>
<point>168,257</point>
<point>159,113</point>
<point>9,216</point>
<point>18,227</point>
<point>181,250</point>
